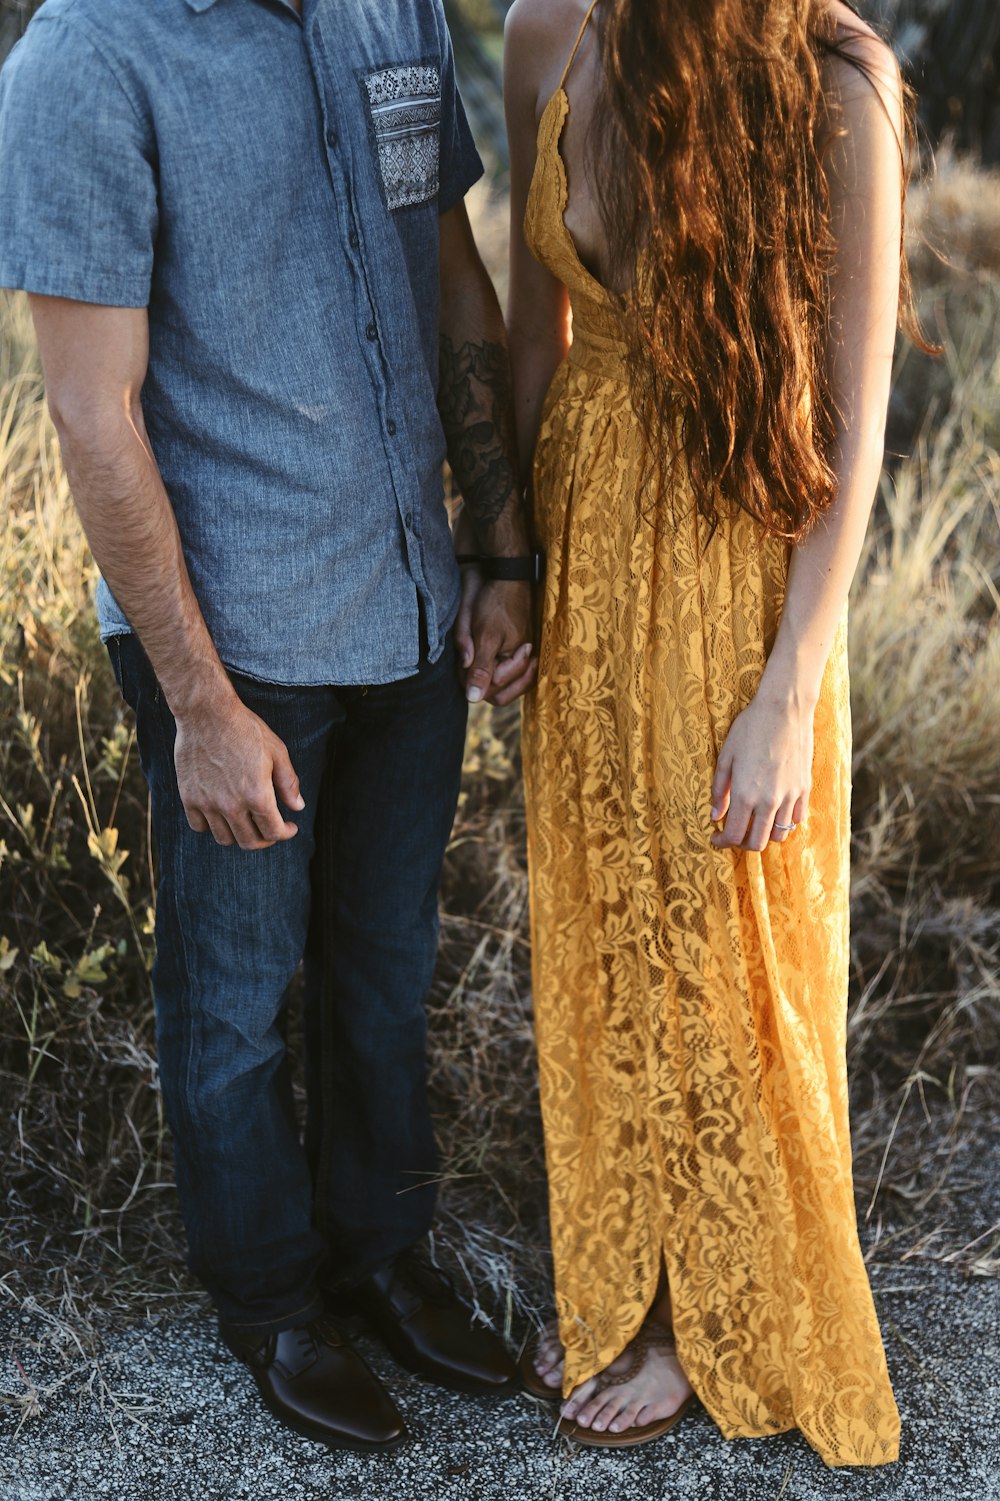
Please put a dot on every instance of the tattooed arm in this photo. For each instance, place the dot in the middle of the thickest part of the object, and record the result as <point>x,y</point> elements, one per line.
<point>477,413</point>
<point>475,402</point>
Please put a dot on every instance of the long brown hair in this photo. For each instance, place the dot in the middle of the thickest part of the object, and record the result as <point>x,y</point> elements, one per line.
<point>717,217</point>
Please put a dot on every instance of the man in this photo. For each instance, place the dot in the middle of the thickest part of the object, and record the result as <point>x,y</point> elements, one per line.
<point>234,218</point>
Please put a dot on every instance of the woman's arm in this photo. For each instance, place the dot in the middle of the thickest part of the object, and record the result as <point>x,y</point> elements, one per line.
<point>764,768</point>
<point>538,304</point>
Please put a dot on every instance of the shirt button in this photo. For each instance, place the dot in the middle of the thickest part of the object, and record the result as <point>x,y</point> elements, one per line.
<point>408,520</point>
<point>353,240</point>
<point>390,428</point>
<point>331,138</point>
<point>372,332</point>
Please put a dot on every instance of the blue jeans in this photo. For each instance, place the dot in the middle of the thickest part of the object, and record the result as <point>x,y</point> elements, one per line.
<point>355,893</point>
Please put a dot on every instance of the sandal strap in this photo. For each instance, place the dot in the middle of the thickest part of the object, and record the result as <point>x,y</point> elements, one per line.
<point>651,1336</point>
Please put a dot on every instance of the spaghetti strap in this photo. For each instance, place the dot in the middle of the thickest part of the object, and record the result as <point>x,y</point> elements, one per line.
<point>576,45</point>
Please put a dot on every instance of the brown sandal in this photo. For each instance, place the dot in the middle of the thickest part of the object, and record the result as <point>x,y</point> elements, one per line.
<point>650,1336</point>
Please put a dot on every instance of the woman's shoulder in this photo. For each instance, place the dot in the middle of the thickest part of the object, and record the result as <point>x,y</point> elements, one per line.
<point>858,60</point>
<point>544,29</point>
<point>538,39</point>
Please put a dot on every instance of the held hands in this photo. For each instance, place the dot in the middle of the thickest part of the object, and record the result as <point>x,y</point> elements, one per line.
<point>231,771</point>
<point>764,773</point>
<point>493,638</point>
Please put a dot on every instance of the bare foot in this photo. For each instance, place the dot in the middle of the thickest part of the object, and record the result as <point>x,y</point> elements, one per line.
<point>655,1389</point>
<point>549,1356</point>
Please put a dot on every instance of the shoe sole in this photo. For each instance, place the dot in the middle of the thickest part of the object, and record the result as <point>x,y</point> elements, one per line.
<point>630,1438</point>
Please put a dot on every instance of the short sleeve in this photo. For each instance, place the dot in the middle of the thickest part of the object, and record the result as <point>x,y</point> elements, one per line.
<point>78,192</point>
<point>461,164</point>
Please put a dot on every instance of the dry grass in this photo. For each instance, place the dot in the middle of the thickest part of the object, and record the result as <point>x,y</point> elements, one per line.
<point>92,1231</point>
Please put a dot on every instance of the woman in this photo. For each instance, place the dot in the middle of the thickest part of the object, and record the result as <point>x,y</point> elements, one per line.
<point>714,188</point>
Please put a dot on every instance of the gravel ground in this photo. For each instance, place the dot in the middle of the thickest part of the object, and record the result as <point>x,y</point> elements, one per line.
<point>165,1414</point>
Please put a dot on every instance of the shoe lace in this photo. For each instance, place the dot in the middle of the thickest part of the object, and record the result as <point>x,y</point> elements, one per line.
<point>330,1330</point>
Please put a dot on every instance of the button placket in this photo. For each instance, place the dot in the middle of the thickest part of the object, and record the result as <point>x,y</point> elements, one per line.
<point>340,168</point>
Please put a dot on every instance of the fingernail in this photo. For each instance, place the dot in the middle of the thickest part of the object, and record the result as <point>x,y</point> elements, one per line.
<point>467,658</point>
<point>298,802</point>
<point>715,815</point>
<point>473,695</point>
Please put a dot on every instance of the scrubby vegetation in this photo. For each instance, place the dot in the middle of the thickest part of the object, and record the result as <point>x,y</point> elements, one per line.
<point>92,1233</point>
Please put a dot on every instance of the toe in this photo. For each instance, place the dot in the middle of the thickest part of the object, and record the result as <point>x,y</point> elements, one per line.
<point>579,1399</point>
<point>627,1417</point>
<point>608,1413</point>
<point>590,1411</point>
<point>549,1353</point>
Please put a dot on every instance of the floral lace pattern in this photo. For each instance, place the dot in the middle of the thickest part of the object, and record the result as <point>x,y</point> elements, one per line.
<point>690,1003</point>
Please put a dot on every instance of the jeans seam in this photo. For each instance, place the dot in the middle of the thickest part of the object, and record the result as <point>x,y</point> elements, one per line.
<point>187,1016</point>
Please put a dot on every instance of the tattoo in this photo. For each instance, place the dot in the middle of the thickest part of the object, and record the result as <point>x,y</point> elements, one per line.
<point>476,402</point>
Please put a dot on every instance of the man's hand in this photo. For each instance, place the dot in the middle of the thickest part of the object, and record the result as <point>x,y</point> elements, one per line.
<point>231,772</point>
<point>493,637</point>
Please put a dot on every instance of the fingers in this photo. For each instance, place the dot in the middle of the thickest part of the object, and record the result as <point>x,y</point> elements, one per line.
<point>464,647</point>
<point>480,674</point>
<point>498,626</point>
<point>721,784</point>
<point>784,822</point>
<point>749,828</point>
<point>760,790</point>
<point>251,817</point>
<point>513,676</point>
<point>509,668</point>
<point>264,824</point>
<point>286,783</point>
<point>739,827</point>
<point>219,829</point>
<point>253,826</point>
<point>503,696</point>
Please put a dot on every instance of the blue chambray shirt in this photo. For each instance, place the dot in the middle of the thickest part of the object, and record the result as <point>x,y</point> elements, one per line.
<point>269,187</point>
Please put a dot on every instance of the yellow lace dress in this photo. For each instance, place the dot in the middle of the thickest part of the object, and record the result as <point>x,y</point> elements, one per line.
<point>689,1003</point>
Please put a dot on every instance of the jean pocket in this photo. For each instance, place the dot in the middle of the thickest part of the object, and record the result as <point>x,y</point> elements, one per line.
<point>405,104</point>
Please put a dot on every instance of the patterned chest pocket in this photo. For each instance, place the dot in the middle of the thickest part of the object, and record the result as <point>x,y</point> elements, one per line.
<point>405,103</point>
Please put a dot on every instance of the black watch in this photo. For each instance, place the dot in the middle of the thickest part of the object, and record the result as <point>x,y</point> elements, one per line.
<point>522,570</point>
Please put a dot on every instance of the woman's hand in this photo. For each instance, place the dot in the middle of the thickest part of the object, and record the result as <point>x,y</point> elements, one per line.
<point>762,780</point>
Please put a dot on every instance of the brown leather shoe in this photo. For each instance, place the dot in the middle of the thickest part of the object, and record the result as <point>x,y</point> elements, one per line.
<point>414,1309</point>
<point>313,1381</point>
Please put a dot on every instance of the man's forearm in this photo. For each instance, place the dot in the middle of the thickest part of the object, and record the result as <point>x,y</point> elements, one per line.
<point>475,399</point>
<point>133,535</point>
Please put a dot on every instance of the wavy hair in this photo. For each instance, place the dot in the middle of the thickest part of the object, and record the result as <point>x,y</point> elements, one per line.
<point>717,218</point>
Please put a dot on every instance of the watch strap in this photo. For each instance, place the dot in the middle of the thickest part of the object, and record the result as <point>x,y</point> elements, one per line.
<point>528,569</point>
